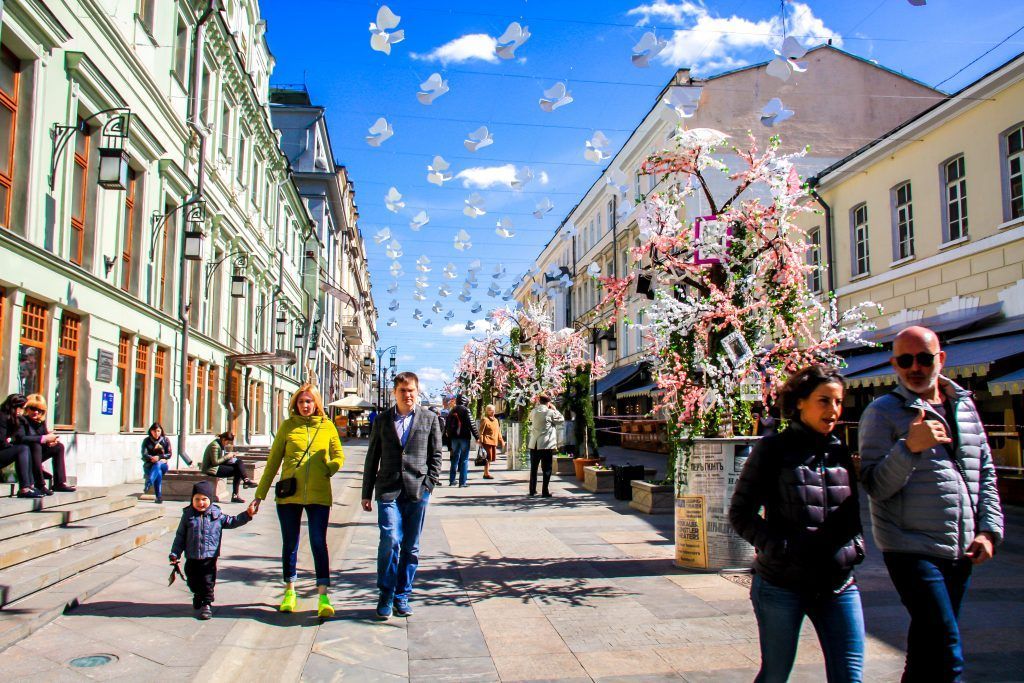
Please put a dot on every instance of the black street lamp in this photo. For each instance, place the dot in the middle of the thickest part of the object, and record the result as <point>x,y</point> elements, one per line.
<point>381,379</point>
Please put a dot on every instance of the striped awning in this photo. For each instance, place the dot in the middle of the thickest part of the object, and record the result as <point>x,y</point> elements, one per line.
<point>1012,383</point>
<point>645,390</point>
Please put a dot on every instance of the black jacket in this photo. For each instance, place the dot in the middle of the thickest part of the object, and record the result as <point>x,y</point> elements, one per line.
<point>149,449</point>
<point>12,432</point>
<point>34,431</point>
<point>392,468</point>
<point>810,535</point>
<point>460,424</point>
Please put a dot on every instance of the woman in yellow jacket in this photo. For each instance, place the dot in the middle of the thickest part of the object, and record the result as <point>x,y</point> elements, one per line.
<point>308,452</point>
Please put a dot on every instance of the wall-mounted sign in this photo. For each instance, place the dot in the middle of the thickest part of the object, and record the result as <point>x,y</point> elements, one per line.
<point>104,366</point>
<point>107,403</point>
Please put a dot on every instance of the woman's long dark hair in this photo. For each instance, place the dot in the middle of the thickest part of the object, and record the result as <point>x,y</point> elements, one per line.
<point>156,425</point>
<point>11,404</point>
<point>802,384</point>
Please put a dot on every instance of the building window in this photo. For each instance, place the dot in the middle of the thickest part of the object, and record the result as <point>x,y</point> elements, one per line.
<point>124,351</point>
<point>147,14</point>
<point>168,240</point>
<point>611,212</point>
<point>205,103</point>
<point>79,191</point>
<point>814,260</point>
<point>140,393</point>
<point>955,180</point>
<point>129,230</point>
<point>67,366</point>
<point>190,388</point>
<point>181,48</point>
<point>903,218</point>
<point>199,403</point>
<point>859,239</point>
<point>240,165</point>
<point>1013,149</point>
<point>211,396</point>
<point>31,350</point>
<point>10,75</point>
<point>159,373</point>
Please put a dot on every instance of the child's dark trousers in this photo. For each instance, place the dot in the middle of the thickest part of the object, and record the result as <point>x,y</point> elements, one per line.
<point>201,576</point>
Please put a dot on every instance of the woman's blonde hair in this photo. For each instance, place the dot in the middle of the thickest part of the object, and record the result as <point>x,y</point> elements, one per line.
<point>36,401</point>
<point>489,407</point>
<point>318,401</point>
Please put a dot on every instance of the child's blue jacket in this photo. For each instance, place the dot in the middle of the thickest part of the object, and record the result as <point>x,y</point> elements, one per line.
<point>199,533</point>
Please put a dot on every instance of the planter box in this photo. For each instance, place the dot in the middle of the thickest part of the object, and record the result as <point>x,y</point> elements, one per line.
<point>598,481</point>
<point>563,465</point>
<point>580,463</point>
<point>652,499</point>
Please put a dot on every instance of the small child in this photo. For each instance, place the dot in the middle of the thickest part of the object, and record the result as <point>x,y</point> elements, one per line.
<point>198,536</point>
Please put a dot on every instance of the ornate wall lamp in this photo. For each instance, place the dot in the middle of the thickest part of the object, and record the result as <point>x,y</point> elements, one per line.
<point>113,166</point>
<point>238,280</point>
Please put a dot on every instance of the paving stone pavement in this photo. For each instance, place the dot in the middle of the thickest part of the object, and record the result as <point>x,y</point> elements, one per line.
<point>510,588</point>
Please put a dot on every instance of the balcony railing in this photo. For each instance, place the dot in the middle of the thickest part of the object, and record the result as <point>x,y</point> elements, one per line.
<point>351,329</point>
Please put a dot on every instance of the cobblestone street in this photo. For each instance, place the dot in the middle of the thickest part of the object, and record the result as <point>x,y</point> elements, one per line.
<point>575,587</point>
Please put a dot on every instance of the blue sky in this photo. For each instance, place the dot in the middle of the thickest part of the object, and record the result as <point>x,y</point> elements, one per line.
<point>587,45</point>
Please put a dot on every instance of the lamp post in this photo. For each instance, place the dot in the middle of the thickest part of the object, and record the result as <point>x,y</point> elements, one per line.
<point>381,393</point>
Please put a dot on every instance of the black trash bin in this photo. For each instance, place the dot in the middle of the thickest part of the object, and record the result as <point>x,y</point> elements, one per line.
<point>624,475</point>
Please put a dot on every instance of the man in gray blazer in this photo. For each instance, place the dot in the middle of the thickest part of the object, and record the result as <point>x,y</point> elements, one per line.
<point>403,464</point>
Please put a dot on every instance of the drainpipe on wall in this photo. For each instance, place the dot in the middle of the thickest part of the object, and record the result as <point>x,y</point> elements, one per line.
<point>198,42</point>
<point>830,271</point>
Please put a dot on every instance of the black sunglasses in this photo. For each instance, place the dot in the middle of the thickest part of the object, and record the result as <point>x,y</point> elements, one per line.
<point>924,359</point>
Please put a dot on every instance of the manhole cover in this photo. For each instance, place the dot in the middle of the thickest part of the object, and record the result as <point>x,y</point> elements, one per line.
<point>90,661</point>
<point>744,579</point>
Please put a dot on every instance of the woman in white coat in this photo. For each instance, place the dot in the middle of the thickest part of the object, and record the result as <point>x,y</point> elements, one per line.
<point>545,424</point>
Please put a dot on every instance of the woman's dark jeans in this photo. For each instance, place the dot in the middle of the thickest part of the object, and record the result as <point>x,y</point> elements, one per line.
<point>290,517</point>
<point>40,454</point>
<point>234,470</point>
<point>21,456</point>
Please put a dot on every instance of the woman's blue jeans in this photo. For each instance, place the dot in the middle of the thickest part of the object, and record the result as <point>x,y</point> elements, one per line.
<point>838,619</point>
<point>460,461</point>
<point>290,517</point>
<point>155,477</point>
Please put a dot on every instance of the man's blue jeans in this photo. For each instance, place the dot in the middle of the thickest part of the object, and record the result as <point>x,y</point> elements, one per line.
<point>838,619</point>
<point>400,522</point>
<point>155,477</point>
<point>460,461</point>
<point>317,518</point>
<point>931,589</point>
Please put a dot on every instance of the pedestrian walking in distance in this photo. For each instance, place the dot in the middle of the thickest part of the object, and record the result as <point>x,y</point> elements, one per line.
<point>809,539</point>
<point>307,451</point>
<point>490,438</point>
<point>403,464</point>
<point>459,428</point>
<point>931,483</point>
<point>545,423</point>
<point>198,538</point>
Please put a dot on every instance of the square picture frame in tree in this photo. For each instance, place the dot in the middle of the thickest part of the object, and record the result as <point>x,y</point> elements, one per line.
<point>711,240</point>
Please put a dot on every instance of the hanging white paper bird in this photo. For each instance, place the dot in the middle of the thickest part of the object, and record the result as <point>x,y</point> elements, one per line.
<point>647,49</point>
<point>393,306</point>
<point>554,97</point>
<point>449,315</point>
<point>543,207</point>
<point>394,250</point>
<point>392,322</point>
<point>684,100</point>
<point>593,270</point>
<point>474,206</point>
<point>524,174</point>
<point>423,264</point>
<point>437,307</point>
<point>382,236</point>
<point>785,64</point>
<point>450,272</point>
<point>595,148</point>
<point>380,39</point>
<point>393,287</point>
<point>476,308</point>
<point>393,200</point>
<point>431,89</point>
<point>474,265</point>
<point>470,326</point>
<point>422,282</point>
<point>417,314</point>
<point>436,172</point>
<point>419,220</point>
<point>774,112</point>
<point>514,36</point>
<point>504,228</point>
<point>443,291</point>
<point>419,295</point>
<point>462,241</point>
<point>478,139</point>
<point>380,131</point>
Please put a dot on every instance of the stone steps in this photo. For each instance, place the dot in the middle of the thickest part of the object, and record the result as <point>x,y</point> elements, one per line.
<point>63,515</point>
<point>17,506</point>
<point>14,551</point>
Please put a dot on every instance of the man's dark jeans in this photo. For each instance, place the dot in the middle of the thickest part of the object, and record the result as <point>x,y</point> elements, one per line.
<point>931,589</point>
<point>542,457</point>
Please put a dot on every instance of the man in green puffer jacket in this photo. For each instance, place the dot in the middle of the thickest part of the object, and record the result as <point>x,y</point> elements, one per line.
<point>307,451</point>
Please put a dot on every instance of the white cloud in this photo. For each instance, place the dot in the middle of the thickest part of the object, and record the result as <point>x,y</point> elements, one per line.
<point>430,375</point>
<point>713,43</point>
<point>463,49</point>
<point>406,357</point>
<point>484,177</point>
<point>459,329</point>
<point>543,177</point>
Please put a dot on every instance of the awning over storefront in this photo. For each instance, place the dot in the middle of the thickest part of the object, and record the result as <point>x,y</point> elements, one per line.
<point>617,376</point>
<point>338,293</point>
<point>1008,326</point>
<point>645,390</point>
<point>279,358</point>
<point>867,361</point>
<point>944,323</point>
<point>1012,383</point>
<point>966,359</point>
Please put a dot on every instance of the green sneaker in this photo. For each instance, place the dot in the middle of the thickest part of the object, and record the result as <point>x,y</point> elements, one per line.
<point>288,604</point>
<point>324,608</point>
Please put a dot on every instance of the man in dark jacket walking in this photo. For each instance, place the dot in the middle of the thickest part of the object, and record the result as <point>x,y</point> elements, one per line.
<point>928,470</point>
<point>459,427</point>
<point>403,464</point>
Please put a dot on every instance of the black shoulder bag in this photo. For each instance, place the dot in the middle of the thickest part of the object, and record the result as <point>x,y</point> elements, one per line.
<point>286,488</point>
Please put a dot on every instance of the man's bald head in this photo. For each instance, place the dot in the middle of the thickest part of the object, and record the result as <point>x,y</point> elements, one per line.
<point>921,338</point>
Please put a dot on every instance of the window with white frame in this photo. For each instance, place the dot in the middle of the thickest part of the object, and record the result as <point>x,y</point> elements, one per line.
<point>859,239</point>
<point>610,212</point>
<point>814,260</point>
<point>181,48</point>
<point>903,219</point>
<point>954,176</point>
<point>1013,151</point>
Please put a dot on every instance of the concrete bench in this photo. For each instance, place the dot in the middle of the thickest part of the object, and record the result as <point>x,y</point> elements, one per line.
<point>178,485</point>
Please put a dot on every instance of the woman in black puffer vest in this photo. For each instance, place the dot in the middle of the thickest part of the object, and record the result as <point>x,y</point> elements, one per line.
<point>809,539</point>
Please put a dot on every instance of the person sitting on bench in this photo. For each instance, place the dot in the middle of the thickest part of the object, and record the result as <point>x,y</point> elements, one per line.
<point>219,462</point>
